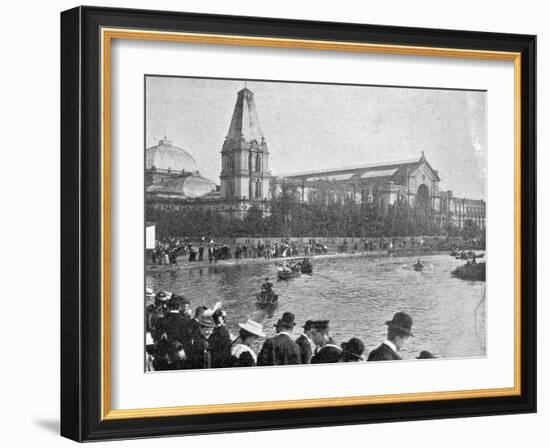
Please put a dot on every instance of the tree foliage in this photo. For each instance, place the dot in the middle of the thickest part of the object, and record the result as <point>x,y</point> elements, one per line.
<point>288,217</point>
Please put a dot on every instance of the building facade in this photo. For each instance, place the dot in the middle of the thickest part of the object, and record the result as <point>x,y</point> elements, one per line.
<point>173,181</point>
<point>413,181</point>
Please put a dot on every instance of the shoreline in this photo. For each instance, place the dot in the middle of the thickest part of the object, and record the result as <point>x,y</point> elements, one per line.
<point>186,265</point>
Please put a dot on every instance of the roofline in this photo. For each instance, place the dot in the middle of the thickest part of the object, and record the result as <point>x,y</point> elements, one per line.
<point>351,168</point>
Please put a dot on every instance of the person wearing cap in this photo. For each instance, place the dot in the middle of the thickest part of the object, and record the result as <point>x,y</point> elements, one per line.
<point>219,341</point>
<point>352,351</point>
<point>242,354</point>
<point>326,350</point>
<point>280,349</point>
<point>305,344</point>
<point>399,330</point>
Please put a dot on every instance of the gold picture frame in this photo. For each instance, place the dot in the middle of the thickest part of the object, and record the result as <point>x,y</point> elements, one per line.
<point>106,31</point>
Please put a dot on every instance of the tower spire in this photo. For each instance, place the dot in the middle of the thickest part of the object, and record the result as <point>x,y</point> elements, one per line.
<point>245,123</point>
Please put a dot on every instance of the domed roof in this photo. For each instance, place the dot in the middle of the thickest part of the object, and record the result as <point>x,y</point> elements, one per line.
<point>167,156</point>
<point>189,186</point>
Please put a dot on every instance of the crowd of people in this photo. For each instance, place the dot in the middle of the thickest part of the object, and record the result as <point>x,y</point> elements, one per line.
<point>179,337</point>
<point>167,251</point>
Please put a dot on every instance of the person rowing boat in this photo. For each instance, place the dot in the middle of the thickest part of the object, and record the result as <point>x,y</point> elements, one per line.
<point>418,266</point>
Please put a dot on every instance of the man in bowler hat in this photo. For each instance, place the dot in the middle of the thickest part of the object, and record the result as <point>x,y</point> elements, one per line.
<point>326,351</point>
<point>280,349</point>
<point>399,330</point>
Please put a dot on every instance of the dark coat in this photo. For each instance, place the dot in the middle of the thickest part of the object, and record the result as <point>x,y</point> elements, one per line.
<point>279,350</point>
<point>220,346</point>
<point>198,353</point>
<point>383,353</point>
<point>192,332</point>
<point>326,354</point>
<point>305,349</point>
<point>174,325</point>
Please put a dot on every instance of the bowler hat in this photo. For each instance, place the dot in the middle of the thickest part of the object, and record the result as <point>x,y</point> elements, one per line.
<point>425,354</point>
<point>286,320</point>
<point>401,321</point>
<point>354,347</point>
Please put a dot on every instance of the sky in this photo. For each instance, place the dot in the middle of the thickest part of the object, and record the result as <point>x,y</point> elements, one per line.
<point>318,126</point>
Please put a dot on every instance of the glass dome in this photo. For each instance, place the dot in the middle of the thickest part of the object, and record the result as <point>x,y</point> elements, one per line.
<point>167,156</point>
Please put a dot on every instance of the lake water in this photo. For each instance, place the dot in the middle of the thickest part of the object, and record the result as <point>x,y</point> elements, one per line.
<point>357,294</point>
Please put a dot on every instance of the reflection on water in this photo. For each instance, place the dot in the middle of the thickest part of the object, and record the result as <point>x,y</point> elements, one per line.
<point>357,294</point>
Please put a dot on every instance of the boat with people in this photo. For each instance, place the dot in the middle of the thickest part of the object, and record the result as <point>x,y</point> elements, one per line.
<point>284,274</point>
<point>418,266</point>
<point>266,299</point>
<point>289,269</point>
<point>469,255</point>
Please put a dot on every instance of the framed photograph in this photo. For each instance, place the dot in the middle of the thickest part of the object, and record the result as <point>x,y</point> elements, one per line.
<point>277,224</point>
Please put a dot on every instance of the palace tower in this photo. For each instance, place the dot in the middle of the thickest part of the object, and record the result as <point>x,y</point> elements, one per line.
<point>245,176</point>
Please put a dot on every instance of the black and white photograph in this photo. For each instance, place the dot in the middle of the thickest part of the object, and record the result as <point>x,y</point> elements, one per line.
<point>294,223</point>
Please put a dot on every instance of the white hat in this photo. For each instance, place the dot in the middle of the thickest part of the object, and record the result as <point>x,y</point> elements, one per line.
<point>149,339</point>
<point>149,291</point>
<point>253,327</point>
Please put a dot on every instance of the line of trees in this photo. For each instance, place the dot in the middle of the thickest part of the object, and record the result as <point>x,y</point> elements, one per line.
<point>288,217</point>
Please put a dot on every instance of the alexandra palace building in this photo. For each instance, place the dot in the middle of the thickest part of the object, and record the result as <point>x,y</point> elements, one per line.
<point>173,181</point>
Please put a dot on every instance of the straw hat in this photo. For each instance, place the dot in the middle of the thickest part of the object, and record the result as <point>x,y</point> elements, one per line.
<point>253,327</point>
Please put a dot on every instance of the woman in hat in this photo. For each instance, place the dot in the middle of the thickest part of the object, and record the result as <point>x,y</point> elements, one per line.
<point>242,354</point>
<point>352,351</point>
